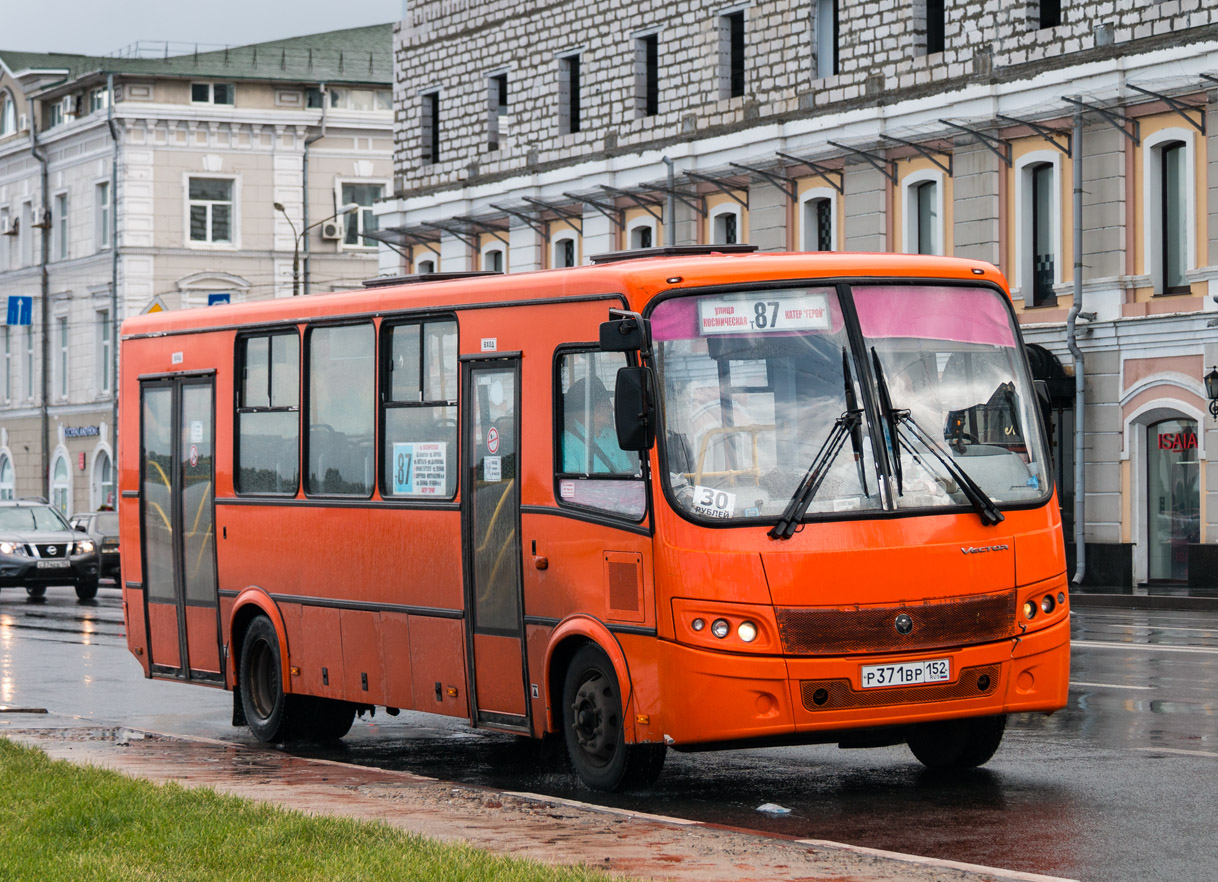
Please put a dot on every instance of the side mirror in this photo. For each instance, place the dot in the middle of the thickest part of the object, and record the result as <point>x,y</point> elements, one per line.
<point>634,408</point>
<point>629,334</point>
<point>80,528</point>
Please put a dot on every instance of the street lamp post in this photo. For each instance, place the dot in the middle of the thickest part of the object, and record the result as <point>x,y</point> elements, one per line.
<point>297,237</point>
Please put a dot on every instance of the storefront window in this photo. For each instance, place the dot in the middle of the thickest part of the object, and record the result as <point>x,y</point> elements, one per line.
<point>1173,489</point>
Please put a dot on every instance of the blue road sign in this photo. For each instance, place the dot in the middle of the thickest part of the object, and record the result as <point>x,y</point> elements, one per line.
<point>20,310</point>
<point>215,299</point>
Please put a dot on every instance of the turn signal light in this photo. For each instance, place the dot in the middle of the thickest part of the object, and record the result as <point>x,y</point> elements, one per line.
<point>1047,604</point>
<point>1029,609</point>
<point>720,628</point>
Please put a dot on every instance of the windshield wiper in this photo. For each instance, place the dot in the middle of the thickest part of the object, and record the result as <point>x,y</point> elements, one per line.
<point>856,431</point>
<point>977,497</point>
<point>843,426</point>
<point>890,422</point>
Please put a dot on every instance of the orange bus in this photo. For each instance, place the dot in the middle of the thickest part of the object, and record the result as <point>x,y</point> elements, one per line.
<point>677,498</point>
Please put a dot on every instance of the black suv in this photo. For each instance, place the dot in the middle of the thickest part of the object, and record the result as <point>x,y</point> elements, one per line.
<point>38,548</point>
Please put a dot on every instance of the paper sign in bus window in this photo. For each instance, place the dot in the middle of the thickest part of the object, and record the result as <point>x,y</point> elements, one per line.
<point>420,468</point>
<point>712,503</point>
<point>773,312</point>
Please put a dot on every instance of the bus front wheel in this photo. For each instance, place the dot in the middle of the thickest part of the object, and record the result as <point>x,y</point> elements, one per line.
<point>594,730</point>
<point>957,744</point>
<point>269,711</point>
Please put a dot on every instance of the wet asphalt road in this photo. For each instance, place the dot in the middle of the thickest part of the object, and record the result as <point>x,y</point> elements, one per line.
<point>1122,785</point>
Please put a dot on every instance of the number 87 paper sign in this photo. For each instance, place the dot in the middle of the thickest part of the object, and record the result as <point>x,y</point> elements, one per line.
<point>420,468</point>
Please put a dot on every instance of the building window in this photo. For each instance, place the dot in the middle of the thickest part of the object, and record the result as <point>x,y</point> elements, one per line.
<point>8,364</point>
<point>54,114</point>
<point>362,222</point>
<point>62,323</point>
<point>61,485</point>
<point>212,93</point>
<point>6,243</point>
<point>102,486</point>
<point>351,99</point>
<point>492,260</point>
<point>99,99</point>
<point>818,224</point>
<point>826,38</point>
<point>103,351</point>
<point>731,54</point>
<point>267,458</point>
<point>102,222</point>
<point>641,233</point>
<point>8,114</point>
<point>1170,210</point>
<point>29,362</point>
<point>568,94</point>
<point>61,225</point>
<point>725,226</point>
<point>647,75</point>
<point>7,482</point>
<point>935,26</point>
<point>1043,270</point>
<point>420,410</point>
<point>1173,214</point>
<point>1050,13</point>
<point>211,210</point>
<point>425,267</point>
<point>341,411</point>
<point>922,208</point>
<point>564,252</point>
<point>496,111</point>
<point>430,127</point>
<point>26,234</point>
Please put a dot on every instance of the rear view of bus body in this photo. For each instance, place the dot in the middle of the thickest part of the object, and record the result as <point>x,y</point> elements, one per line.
<point>774,499</point>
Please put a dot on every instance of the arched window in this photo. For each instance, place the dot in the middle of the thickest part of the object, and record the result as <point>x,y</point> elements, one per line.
<point>8,114</point>
<point>492,260</point>
<point>101,488</point>
<point>1170,209</point>
<point>818,224</point>
<point>642,235</point>
<point>61,484</point>
<point>725,226</point>
<point>564,252</point>
<point>6,477</point>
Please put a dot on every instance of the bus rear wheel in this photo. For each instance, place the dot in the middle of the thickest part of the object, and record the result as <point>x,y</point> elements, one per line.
<point>594,729</point>
<point>324,719</point>
<point>270,713</point>
<point>957,744</point>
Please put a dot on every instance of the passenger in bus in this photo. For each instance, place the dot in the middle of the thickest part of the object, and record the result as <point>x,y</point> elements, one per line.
<point>586,406</point>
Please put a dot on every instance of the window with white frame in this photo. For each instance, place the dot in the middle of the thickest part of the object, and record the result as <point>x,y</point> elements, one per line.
<point>492,259</point>
<point>642,233</point>
<point>211,210</point>
<point>53,115</point>
<point>922,213</point>
<point>101,201</point>
<point>1170,228</point>
<point>7,478</point>
<point>428,264</point>
<point>1038,230</point>
<point>61,225</point>
<point>564,252</point>
<point>725,225</point>
<point>731,54</point>
<point>102,348</point>
<point>827,37</point>
<point>99,99</point>
<point>29,362</point>
<point>61,325</point>
<point>818,221</point>
<point>8,364</point>
<point>26,234</point>
<point>6,247</point>
<point>8,114</point>
<point>647,75</point>
<point>61,483</point>
<point>569,110</point>
<point>496,109</point>
<point>212,93</point>
<point>352,99</point>
<point>101,487</point>
<point>363,221</point>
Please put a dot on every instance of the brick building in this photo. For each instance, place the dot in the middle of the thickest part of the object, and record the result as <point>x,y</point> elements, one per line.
<point>160,181</point>
<point>522,142</point>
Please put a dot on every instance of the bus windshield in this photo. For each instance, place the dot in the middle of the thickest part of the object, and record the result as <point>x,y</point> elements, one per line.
<point>763,393</point>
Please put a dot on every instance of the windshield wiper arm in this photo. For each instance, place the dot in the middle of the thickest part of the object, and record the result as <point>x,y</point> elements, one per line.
<point>856,431</point>
<point>986,509</point>
<point>889,419</point>
<point>815,476</point>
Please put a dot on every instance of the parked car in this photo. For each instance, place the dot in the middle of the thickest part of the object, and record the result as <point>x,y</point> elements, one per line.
<point>102,528</point>
<point>38,549</point>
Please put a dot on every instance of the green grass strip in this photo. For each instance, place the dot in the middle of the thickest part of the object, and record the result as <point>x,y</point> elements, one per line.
<point>59,821</point>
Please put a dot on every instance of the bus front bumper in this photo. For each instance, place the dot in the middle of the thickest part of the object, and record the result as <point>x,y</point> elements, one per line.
<point>728,697</point>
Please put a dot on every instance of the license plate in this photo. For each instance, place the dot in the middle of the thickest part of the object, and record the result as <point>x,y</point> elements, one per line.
<point>933,670</point>
<point>53,564</point>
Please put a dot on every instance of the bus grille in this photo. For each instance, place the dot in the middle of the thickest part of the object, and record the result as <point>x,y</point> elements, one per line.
<point>820,695</point>
<point>953,622</point>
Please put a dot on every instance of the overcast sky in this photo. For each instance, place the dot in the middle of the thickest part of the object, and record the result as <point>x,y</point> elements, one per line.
<point>90,27</point>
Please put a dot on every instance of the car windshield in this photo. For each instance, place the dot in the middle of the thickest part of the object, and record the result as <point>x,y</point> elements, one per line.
<point>950,358</point>
<point>107,524</point>
<point>753,385</point>
<point>762,397</point>
<point>31,518</point>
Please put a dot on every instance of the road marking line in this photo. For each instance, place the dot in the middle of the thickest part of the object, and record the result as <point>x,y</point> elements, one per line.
<point>1143,647</point>
<point>1109,685</point>
<point>1179,751</point>
<point>935,862</point>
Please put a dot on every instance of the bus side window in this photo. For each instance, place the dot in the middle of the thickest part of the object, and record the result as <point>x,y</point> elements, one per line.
<point>268,414</point>
<point>340,410</point>
<point>419,411</point>
<point>591,470</point>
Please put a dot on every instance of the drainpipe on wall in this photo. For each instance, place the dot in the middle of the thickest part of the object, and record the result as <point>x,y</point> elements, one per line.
<point>44,256</point>
<point>670,207</point>
<point>304,224</point>
<point>1080,490</point>
<point>113,279</point>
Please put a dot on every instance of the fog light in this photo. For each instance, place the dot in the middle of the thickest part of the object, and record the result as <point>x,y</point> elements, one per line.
<point>720,627</point>
<point>1029,609</point>
<point>698,624</point>
<point>747,632</point>
<point>1047,604</point>
<point>1061,597</point>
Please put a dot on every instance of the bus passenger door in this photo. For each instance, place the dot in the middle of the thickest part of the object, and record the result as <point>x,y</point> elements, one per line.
<point>177,516</point>
<point>491,501</point>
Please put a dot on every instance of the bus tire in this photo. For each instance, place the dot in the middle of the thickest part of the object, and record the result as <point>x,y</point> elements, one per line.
<point>593,727</point>
<point>270,713</point>
<point>957,744</point>
<point>325,719</point>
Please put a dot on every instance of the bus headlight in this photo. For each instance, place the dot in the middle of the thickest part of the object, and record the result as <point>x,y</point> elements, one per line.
<point>747,632</point>
<point>1047,604</point>
<point>698,624</point>
<point>1029,609</point>
<point>720,628</point>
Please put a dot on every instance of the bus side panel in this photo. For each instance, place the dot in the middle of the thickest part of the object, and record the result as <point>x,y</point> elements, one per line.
<point>133,620</point>
<point>202,648</point>
<point>318,652</point>
<point>499,688</point>
<point>437,662</point>
<point>163,620</point>
<point>395,659</point>
<point>363,681</point>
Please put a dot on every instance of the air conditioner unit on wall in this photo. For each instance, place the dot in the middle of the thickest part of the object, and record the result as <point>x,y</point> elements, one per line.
<point>8,226</point>
<point>332,230</point>
<point>41,218</point>
<point>23,123</point>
